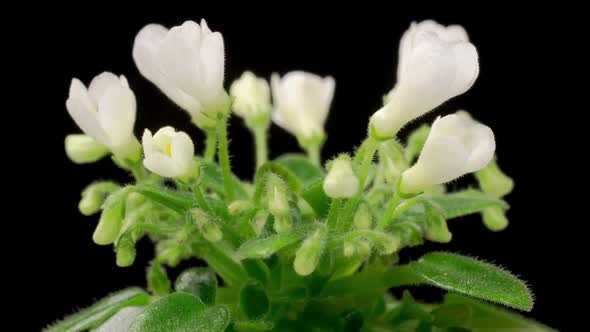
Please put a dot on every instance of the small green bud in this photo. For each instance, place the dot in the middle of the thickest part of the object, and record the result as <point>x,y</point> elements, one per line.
<point>278,203</point>
<point>111,219</point>
<point>259,221</point>
<point>93,196</point>
<point>356,248</point>
<point>83,149</point>
<point>157,280</point>
<point>416,142</point>
<point>392,159</point>
<point>238,207</point>
<point>386,243</point>
<point>495,219</point>
<point>125,251</point>
<point>437,230</point>
<point>210,230</point>
<point>493,181</point>
<point>282,224</point>
<point>363,218</point>
<point>309,253</point>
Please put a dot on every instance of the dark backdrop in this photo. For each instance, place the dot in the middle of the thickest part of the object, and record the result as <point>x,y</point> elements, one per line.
<point>357,47</point>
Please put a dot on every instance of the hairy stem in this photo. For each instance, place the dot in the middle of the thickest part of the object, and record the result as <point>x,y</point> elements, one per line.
<point>223,154</point>
<point>210,144</point>
<point>261,145</point>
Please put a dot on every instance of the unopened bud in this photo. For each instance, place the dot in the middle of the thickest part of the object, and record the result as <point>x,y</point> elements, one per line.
<point>278,202</point>
<point>125,251</point>
<point>158,281</point>
<point>83,149</point>
<point>210,230</point>
<point>341,181</point>
<point>282,224</point>
<point>93,196</point>
<point>111,219</point>
<point>259,221</point>
<point>363,218</point>
<point>238,207</point>
<point>309,254</point>
<point>495,218</point>
<point>493,181</point>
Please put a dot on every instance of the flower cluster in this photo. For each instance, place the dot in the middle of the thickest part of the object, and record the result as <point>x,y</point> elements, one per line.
<point>302,232</point>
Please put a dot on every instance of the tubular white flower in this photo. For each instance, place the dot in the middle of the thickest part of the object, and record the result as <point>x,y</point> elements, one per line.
<point>187,64</point>
<point>301,103</point>
<point>83,149</point>
<point>341,182</point>
<point>169,153</point>
<point>252,96</point>
<point>456,145</point>
<point>436,63</point>
<point>106,112</point>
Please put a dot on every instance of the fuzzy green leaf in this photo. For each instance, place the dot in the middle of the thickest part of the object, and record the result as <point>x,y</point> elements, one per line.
<point>96,314</point>
<point>475,278</point>
<point>201,282</point>
<point>317,198</point>
<point>465,202</point>
<point>302,167</point>
<point>181,312</point>
<point>265,247</point>
<point>175,200</point>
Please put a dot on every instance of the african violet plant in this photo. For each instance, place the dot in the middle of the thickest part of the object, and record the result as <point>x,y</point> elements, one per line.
<point>304,246</point>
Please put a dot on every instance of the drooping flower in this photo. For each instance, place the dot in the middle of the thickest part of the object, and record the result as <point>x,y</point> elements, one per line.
<point>455,146</point>
<point>106,112</point>
<point>341,182</point>
<point>301,104</point>
<point>187,64</point>
<point>251,96</point>
<point>169,153</point>
<point>436,63</point>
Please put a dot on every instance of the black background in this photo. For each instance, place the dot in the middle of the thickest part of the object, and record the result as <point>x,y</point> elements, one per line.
<point>62,268</point>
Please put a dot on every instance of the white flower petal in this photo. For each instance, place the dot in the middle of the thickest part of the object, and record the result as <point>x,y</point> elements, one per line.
<point>116,111</point>
<point>162,165</point>
<point>467,68</point>
<point>87,120</point>
<point>182,151</point>
<point>147,141</point>
<point>212,62</point>
<point>483,152</point>
<point>101,83</point>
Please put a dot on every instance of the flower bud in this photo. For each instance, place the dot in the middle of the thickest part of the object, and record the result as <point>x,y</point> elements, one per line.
<point>125,250</point>
<point>362,217</point>
<point>251,97</point>
<point>83,149</point>
<point>210,230</point>
<point>278,203</point>
<point>157,279</point>
<point>309,253</point>
<point>93,196</point>
<point>495,218</point>
<point>259,221</point>
<point>493,181</point>
<point>282,224</point>
<point>341,182</point>
<point>111,219</point>
<point>238,207</point>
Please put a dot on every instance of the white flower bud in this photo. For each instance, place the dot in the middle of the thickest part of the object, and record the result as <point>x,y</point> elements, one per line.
<point>251,96</point>
<point>341,182</point>
<point>455,146</point>
<point>301,104</point>
<point>436,63</point>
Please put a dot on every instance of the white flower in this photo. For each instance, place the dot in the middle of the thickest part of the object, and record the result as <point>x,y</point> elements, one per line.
<point>252,96</point>
<point>106,112</point>
<point>456,145</point>
<point>301,103</point>
<point>341,182</point>
<point>83,149</point>
<point>187,64</point>
<point>436,63</point>
<point>168,153</point>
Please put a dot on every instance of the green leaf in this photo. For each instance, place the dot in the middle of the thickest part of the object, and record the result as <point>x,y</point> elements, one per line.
<point>175,200</point>
<point>284,173</point>
<point>257,270</point>
<point>475,278</point>
<point>121,321</point>
<point>199,281</point>
<point>302,167</point>
<point>368,281</point>
<point>97,313</point>
<point>181,312</point>
<point>488,317</point>
<point>448,315</point>
<point>465,202</point>
<point>317,198</point>
<point>253,301</point>
<point>265,247</point>
<point>212,179</point>
<point>253,326</point>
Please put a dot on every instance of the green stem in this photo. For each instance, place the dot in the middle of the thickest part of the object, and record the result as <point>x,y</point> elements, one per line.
<point>223,155</point>
<point>228,269</point>
<point>313,152</point>
<point>333,215</point>
<point>261,144</point>
<point>395,208</point>
<point>201,198</point>
<point>210,144</point>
